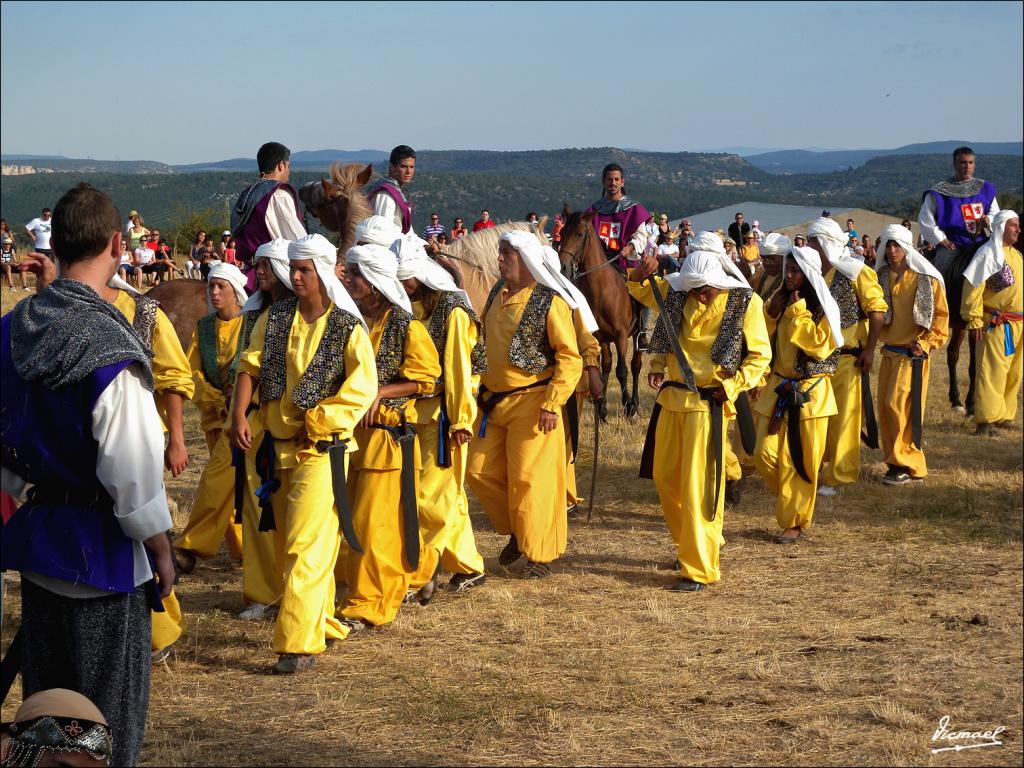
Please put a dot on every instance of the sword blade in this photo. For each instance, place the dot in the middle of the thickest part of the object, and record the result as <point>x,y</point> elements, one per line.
<point>673,336</point>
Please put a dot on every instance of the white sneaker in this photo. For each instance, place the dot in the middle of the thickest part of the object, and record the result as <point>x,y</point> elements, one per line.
<point>828,491</point>
<point>254,612</point>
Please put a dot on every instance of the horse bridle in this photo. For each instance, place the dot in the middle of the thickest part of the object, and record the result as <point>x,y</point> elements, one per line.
<point>576,264</point>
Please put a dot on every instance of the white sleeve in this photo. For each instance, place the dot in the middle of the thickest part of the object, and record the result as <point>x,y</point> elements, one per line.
<point>281,218</point>
<point>13,483</point>
<point>639,242</point>
<point>130,460</point>
<point>926,221</point>
<point>385,205</point>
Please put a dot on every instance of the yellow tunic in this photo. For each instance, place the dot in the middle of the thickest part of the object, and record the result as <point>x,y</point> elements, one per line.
<point>796,331</point>
<point>516,471</point>
<point>998,377</point>
<point>590,350</point>
<point>441,491</point>
<point>213,512</point>
<point>378,578</point>
<point>306,520</point>
<point>171,373</point>
<point>894,374</point>
<point>842,444</point>
<point>684,468</point>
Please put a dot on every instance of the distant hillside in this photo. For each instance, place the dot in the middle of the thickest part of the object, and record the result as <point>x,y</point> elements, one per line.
<point>305,159</point>
<point>805,161</point>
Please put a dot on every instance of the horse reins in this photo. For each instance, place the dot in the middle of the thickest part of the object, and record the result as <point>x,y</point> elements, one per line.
<point>575,259</point>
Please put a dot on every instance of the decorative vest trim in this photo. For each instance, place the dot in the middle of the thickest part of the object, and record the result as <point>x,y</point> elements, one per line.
<point>437,327</point>
<point>249,320</point>
<point>326,371</point>
<point>842,290</point>
<point>396,193</point>
<point>206,332</point>
<point>391,352</point>
<point>808,366</point>
<point>145,316</point>
<point>729,348</point>
<point>924,299</point>
<point>530,349</point>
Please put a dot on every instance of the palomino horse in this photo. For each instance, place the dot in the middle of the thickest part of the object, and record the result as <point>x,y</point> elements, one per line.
<point>605,289</point>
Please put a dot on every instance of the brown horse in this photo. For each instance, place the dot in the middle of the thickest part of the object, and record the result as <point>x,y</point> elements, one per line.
<point>604,287</point>
<point>184,303</point>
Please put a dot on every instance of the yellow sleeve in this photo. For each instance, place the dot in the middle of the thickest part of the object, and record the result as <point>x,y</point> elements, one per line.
<point>972,305</point>
<point>420,363</point>
<point>588,347</point>
<point>642,291</point>
<point>208,400</point>
<point>251,359</point>
<point>171,371</point>
<point>568,363</point>
<point>339,413</point>
<point>815,339</point>
<point>759,352</point>
<point>936,336</point>
<point>658,363</point>
<point>869,292</point>
<point>458,370</point>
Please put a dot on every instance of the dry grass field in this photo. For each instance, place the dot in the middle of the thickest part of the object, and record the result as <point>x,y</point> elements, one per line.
<point>900,606</point>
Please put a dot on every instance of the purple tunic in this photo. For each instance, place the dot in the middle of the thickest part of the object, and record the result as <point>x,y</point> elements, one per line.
<point>67,528</point>
<point>390,188</point>
<point>958,217</point>
<point>255,233</point>
<point>616,229</point>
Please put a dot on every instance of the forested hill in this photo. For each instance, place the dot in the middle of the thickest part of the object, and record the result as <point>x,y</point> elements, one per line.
<point>510,184</point>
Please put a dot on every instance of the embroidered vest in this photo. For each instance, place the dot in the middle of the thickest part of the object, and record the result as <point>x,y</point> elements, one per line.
<point>530,349</point>
<point>808,366</point>
<point>391,352</point>
<point>924,300</point>
<point>842,290</point>
<point>248,323</point>
<point>325,372</point>
<point>729,348</point>
<point>206,331</point>
<point>766,289</point>
<point>145,316</point>
<point>437,327</point>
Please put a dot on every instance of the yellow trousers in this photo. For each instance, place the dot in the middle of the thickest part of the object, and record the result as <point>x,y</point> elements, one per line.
<point>894,427</point>
<point>794,506</point>
<point>167,626</point>
<point>842,446</point>
<point>684,474</point>
<point>307,529</point>
<point>444,509</point>
<point>733,468</point>
<point>213,512</point>
<point>997,380</point>
<point>378,578</point>
<point>518,474</point>
<point>262,551</point>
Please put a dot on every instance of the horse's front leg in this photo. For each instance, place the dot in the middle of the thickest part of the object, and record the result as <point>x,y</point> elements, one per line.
<point>606,369</point>
<point>635,365</point>
<point>952,358</point>
<point>972,369</point>
<point>621,369</point>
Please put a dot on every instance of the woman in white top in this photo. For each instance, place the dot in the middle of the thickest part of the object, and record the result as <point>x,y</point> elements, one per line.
<point>668,255</point>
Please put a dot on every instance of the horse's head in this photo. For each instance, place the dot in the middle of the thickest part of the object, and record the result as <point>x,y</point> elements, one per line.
<point>577,237</point>
<point>339,203</point>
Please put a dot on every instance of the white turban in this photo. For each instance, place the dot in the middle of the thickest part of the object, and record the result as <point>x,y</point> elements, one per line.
<point>554,265</point>
<point>989,258</point>
<point>324,255</point>
<point>276,252</point>
<point>905,240</point>
<point>810,264</point>
<point>775,244</point>
<point>711,242</point>
<point>834,240</point>
<point>532,253</point>
<point>377,230</point>
<point>380,268</point>
<point>233,275</point>
<point>702,268</point>
<point>414,262</point>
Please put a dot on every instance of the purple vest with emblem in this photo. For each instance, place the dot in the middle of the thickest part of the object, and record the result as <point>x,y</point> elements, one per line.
<point>956,215</point>
<point>389,187</point>
<point>616,229</point>
<point>67,528</point>
<point>255,232</point>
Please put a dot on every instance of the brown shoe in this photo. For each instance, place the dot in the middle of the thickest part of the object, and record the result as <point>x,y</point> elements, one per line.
<point>184,560</point>
<point>293,663</point>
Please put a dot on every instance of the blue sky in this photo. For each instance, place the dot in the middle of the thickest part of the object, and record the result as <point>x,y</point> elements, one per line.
<point>189,82</point>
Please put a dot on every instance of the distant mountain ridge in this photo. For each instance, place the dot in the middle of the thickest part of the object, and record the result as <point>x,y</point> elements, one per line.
<point>303,159</point>
<point>791,161</point>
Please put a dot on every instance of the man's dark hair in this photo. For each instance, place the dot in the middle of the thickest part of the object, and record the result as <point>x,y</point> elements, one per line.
<point>483,211</point>
<point>609,168</point>
<point>47,210</point>
<point>270,155</point>
<point>400,153</point>
<point>962,151</point>
<point>738,213</point>
<point>531,213</point>
<point>83,221</point>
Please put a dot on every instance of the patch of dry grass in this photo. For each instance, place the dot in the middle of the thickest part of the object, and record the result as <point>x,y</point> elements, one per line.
<point>901,605</point>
